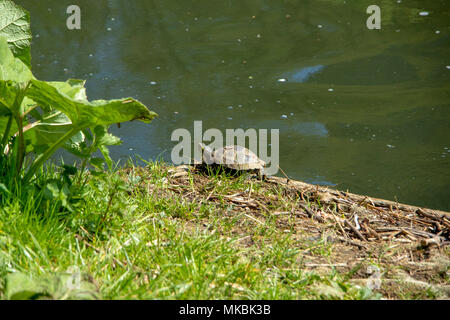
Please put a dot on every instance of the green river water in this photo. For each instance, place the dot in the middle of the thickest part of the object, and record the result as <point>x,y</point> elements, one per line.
<point>361,110</point>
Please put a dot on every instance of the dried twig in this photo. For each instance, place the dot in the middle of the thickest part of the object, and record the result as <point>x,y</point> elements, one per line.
<point>339,224</point>
<point>261,205</point>
<point>311,213</point>
<point>326,265</point>
<point>360,236</point>
<point>441,218</point>
<point>360,245</point>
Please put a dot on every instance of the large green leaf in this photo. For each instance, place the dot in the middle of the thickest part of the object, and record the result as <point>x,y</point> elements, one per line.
<point>73,88</point>
<point>14,76</point>
<point>12,68</point>
<point>85,114</point>
<point>70,99</point>
<point>15,27</point>
<point>48,129</point>
<point>67,285</point>
<point>53,124</point>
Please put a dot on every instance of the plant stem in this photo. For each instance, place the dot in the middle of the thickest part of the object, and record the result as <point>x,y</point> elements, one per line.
<point>80,175</point>
<point>6,133</point>
<point>21,150</point>
<point>19,119</point>
<point>47,154</point>
<point>105,214</point>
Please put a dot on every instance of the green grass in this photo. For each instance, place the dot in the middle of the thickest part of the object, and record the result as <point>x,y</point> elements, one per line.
<point>131,237</point>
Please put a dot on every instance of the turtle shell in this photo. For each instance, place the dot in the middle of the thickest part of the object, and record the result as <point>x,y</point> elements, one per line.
<point>238,158</point>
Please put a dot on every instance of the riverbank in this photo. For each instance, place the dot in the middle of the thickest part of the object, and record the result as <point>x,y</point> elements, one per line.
<point>164,232</point>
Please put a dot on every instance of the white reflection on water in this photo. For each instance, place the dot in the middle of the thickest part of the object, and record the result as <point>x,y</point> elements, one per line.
<point>310,129</point>
<point>303,74</point>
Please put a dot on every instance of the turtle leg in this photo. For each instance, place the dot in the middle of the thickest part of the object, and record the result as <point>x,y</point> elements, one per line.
<point>261,175</point>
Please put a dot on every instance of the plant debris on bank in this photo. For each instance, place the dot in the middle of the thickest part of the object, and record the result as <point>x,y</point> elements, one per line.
<point>389,246</point>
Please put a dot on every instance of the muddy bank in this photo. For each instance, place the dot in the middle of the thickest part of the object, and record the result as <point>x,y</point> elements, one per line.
<point>398,249</point>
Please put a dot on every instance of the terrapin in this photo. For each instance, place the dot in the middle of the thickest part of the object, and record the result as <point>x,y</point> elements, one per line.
<point>233,157</point>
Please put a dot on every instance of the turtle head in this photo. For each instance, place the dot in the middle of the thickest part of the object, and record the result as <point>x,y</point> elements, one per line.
<point>207,153</point>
